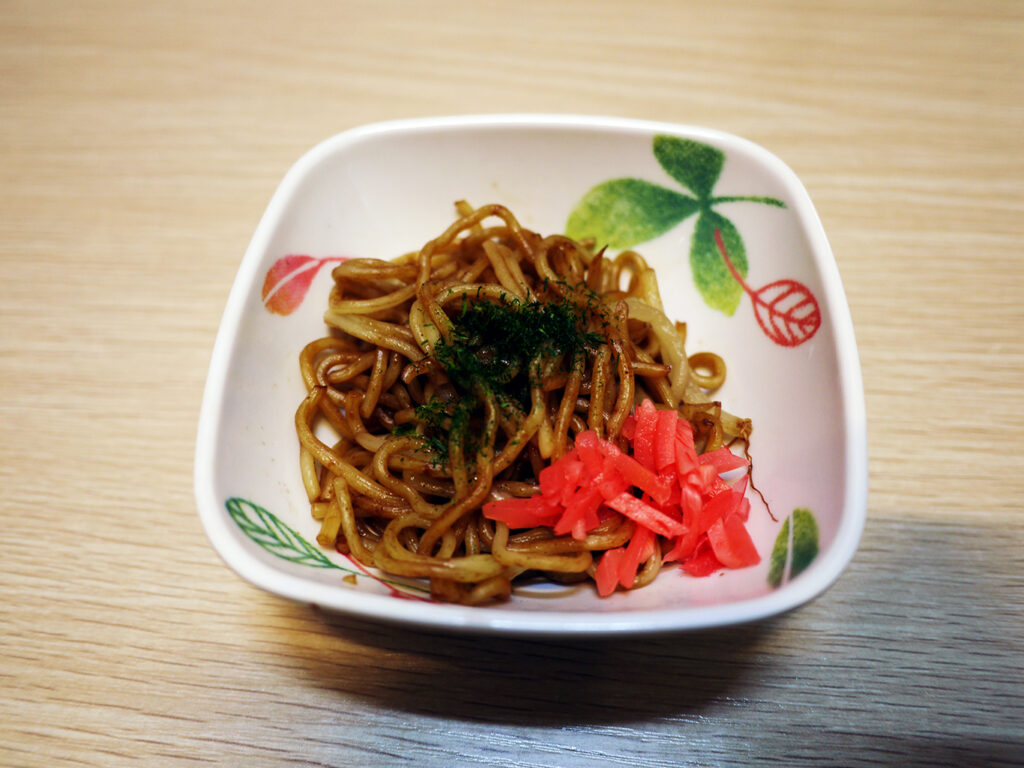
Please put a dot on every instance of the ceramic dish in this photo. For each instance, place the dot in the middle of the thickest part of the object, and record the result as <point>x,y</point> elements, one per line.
<point>385,189</point>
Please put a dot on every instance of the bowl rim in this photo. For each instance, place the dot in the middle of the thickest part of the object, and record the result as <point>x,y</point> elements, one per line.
<point>497,620</point>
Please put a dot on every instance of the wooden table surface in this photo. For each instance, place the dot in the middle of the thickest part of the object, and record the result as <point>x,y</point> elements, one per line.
<point>139,145</point>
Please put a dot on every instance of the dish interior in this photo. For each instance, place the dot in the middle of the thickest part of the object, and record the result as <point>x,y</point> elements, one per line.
<point>385,191</point>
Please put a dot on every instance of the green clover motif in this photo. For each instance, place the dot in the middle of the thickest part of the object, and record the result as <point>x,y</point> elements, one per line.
<point>622,213</point>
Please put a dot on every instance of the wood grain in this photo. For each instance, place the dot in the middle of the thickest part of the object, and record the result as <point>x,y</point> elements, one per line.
<point>139,144</point>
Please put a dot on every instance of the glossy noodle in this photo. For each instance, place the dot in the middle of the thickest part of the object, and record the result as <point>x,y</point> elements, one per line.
<point>451,376</point>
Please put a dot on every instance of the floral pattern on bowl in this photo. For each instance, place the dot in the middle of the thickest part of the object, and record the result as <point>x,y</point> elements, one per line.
<point>713,213</point>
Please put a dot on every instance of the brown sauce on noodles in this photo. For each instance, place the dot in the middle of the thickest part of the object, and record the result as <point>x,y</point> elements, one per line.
<point>453,375</point>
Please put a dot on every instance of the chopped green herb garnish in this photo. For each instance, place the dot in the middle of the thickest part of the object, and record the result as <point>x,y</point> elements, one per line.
<point>492,345</point>
<point>491,348</point>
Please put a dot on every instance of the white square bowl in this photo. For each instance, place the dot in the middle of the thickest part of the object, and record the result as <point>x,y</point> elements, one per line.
<point>385,189</point>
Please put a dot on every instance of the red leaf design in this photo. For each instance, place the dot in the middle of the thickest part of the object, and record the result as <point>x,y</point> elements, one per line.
<point>288,281</point>
<point>786,310</point>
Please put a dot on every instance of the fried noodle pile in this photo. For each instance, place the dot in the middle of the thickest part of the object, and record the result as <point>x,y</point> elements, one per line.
<point>453,375</point>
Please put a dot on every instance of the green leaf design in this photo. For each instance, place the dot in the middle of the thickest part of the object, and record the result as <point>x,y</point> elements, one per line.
<point>804,546</point>
<point>777,561</point>
<point>624,212</point>
<point>805,540</point>
<point>269,532</point>
<point>694,165</point>
<point>713,278</point>
<point>280,540</point>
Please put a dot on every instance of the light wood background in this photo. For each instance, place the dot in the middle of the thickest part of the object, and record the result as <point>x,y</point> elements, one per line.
<point>139,145</point>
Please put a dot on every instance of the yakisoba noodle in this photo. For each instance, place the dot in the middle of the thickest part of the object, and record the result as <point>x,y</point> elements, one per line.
<point>431,417</point>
